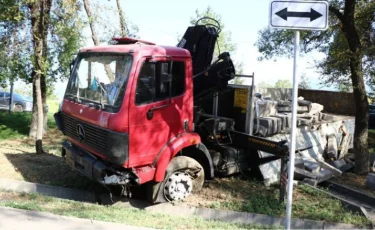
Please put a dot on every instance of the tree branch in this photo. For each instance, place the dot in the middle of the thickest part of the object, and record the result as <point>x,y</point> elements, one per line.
<point>337,13</point>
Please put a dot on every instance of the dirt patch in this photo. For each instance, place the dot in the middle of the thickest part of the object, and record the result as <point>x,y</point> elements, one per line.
<point>354,181</point>
<point>223,189</point>
<point>20,162</point>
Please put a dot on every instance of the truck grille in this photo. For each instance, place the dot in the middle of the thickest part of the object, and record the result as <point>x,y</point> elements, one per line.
<point>95,138</point>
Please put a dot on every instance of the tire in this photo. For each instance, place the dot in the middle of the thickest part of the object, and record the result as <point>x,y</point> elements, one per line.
<point>18,108</point>
<point>159,193</point>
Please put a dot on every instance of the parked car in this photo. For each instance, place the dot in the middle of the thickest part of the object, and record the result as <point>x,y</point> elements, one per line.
<point>31,99</point>
<point>21,103</point>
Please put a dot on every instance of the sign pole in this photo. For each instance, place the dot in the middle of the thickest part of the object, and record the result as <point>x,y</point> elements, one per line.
<point>292,146</point>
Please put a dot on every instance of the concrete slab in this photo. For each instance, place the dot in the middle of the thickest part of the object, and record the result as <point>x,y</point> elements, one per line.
<point>47,190</point>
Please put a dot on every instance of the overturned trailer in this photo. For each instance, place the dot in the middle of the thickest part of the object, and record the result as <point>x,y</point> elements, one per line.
<point>322,143</point>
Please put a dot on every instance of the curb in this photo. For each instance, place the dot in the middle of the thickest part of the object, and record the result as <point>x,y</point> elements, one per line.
<point>166,208</point>
<point>47,190</point>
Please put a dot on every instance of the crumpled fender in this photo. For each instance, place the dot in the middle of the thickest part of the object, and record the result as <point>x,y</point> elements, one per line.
<point>173,146</point>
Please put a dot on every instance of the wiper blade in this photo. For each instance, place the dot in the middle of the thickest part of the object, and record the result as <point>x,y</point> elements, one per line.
<point>96,106</point>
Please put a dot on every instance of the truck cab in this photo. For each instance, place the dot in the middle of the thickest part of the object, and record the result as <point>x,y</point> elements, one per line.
<point>127,115</point>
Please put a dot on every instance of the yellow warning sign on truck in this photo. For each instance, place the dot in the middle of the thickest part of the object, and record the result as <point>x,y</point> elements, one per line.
<point>241,98</point>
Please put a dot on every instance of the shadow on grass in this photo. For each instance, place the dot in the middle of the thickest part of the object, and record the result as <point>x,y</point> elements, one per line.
<point>47,169</point>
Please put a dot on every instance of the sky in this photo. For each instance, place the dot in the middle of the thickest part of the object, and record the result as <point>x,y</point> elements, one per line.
<point>162,21</point>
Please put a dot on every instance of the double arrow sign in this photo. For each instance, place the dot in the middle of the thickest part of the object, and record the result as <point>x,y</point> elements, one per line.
<point>302,15</point>
<point>284,14</point>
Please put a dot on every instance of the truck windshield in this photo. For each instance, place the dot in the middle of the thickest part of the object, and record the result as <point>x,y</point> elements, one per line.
<point>100,79</point>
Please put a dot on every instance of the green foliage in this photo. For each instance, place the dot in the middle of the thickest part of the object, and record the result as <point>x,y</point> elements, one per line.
<point>278,84</point>
<point>304,82</point>
<point>109,27</point>
<point>283,84</point>
<point>265,85</point>
<point>16,49</point>
<point>224,41</point>
<point>335,66</point>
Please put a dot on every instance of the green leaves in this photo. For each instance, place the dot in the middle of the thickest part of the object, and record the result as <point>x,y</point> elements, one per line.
<point>335,67</point>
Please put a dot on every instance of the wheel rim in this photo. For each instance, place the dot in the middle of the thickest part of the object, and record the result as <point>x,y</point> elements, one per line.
<point>17,108</point>
<point>178,186</point>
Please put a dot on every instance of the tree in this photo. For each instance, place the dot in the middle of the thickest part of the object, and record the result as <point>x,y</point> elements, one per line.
<point>40,19</point>
<point>283,84</point>
<point>349,45</point>
<point>224,41</point>
<point>38,38</point>
<point>109,27</point>
<point>264,85</point>
<point>61,43</point>
<point>122,19</point>
<point>303,82</point>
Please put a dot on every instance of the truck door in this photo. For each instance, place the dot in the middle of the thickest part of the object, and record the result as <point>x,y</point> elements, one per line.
<point>153,118</point>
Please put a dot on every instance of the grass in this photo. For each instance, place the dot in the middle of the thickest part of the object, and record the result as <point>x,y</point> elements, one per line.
<point>308,203</point>
<point>17,125</point>
<point>117,214</point>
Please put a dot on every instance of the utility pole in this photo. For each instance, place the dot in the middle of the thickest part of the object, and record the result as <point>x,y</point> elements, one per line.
<point>11,97</point>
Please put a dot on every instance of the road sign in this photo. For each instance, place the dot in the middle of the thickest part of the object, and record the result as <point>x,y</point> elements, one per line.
<point>299,15</point>
<point>296,15</point>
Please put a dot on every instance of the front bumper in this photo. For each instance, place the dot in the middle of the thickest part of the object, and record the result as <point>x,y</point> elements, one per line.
<point>94,168</point>
<point>83,163</point>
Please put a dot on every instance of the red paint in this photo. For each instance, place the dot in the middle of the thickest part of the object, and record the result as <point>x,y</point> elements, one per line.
<point>147,138</point>
<point>185,140</point>
<point>145,173</point>
<point>126,40</point>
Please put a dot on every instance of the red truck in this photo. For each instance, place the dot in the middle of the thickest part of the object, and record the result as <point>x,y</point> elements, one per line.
<point>131,116</point>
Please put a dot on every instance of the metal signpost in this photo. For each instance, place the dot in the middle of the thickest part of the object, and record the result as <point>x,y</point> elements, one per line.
<point>296,15</point>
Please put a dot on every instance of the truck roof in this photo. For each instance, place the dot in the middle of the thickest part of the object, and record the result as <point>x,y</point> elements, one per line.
<point>143,49</point>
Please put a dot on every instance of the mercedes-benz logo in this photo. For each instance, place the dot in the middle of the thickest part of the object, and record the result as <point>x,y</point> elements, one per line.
<point>80,132</point>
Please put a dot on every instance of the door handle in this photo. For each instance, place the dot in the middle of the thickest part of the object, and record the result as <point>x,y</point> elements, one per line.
<point>150,114</point>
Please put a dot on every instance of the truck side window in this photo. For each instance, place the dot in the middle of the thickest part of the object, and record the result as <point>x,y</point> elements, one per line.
<point>145,85</point>
<point>151,89</point>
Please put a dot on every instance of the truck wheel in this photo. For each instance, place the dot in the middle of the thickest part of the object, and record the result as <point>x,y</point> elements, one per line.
<point>183,177</point>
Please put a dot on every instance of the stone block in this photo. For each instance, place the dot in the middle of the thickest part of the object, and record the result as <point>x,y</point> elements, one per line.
<point>339,163</point>
<point>370,181</point>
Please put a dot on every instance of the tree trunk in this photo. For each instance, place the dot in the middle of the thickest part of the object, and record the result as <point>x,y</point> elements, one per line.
<point>359,91</point>
<point>122,19</point>
<point>94,37</point>
<point>43,88</point>
<point>39,11</point>
<point>361,149</point>
<point>39,131</point>
<point>34,116</point>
